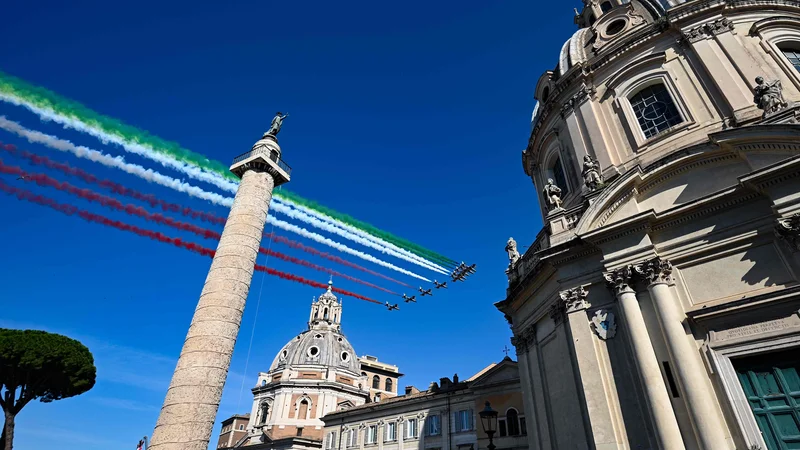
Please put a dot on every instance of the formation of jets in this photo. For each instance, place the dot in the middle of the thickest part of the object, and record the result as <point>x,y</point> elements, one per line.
<point>460,273</point>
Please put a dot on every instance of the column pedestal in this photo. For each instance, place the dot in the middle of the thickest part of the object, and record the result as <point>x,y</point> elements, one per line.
<point>667,433</point>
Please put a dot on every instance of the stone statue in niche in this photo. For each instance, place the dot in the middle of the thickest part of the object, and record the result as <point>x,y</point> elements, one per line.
<point>513,253</point>
<point>768,95</point>
<point>552,195</point>
<point>591,174</point>
<point>604,324</point>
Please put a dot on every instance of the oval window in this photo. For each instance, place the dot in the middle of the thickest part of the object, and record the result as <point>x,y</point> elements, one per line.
<point>284,354</point>
<point>313,351</point>
<point>615,27</point>
<point>318,336</point>
<point>345,356</point>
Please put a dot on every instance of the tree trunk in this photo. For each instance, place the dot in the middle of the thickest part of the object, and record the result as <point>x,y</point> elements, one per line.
<point>8,431</point>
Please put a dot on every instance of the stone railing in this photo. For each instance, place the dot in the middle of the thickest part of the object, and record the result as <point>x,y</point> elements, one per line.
<point>529,260</point>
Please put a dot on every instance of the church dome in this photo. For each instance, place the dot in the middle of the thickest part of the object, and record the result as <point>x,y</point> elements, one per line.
<point>323,344</point>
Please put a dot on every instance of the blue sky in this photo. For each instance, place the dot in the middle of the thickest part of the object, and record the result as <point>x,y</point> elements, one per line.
<point>409,116</point>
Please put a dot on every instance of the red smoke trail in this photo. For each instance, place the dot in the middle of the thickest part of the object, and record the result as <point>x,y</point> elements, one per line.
<point>112,186</point>
<point>328,256</point>
<point>185,210</point>
<point>70,210</point>
<point>288,276</point>
<point>310,265</point>
<point>44,180</point>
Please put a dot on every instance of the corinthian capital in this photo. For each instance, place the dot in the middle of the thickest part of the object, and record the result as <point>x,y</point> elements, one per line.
<point>575,299</point>
<point>655,271</point>
<point>788,229</point>
<point>619,280</point>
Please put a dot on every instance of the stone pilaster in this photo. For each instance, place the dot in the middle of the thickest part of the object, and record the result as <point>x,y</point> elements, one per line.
<point>667,433</point>
<point>692,378</point>
<point>598,408</point>
<point>190,408</point>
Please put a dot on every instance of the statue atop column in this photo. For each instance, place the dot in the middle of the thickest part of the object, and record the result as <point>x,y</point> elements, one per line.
<point>275,126</point>
<point>552,195</point>
<point>591,174</point>
<point>513,253</point>
<point>768,95</point>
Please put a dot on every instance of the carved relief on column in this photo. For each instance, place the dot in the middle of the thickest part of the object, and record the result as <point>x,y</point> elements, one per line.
<point>575,299</point>
<point>788,229</point>
<point>655,271</point>
<point>709,29</point>
<point>619,280</point>
<point>557,312</point>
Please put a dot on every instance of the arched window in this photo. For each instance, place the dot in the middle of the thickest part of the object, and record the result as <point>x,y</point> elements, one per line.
<point>606,6</point>
<point>363,374</point>
<point>592,19</point>
<point>793,55</point>
<point>376,382</point>
<point>513,422</point>
<point>389,385</point>
<point>545,94</point>
<point>302,410</point>
<point>325,315</point>
<point>655,110</point>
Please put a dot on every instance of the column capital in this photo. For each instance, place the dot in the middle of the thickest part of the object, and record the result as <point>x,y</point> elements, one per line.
<point>788,229</point>
<point>655,271</point>
<point>619,280</point>
<point>575,299</point>
<point>557,312</point>
<point>524,339</point>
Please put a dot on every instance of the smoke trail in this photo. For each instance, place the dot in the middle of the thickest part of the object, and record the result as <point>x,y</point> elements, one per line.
<point>118,162</point>
<point>361,233</point>
<point>112,161</point>
<point>74,115</point>
<point>70,114</point>
<point>310,265</point>
<point>303,217</point>
<point>341,247</point>
<point>70,210</point>
<point>116,188</point>
<point>172,207</point>
<point>147,174</point>
<point>46,181</point>
<point>328,256</point>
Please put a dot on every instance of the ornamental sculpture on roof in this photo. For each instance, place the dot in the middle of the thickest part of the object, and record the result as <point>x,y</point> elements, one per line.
<point>275,126</point>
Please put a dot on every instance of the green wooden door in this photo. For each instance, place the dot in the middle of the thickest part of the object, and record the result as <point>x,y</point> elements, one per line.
<point>771,383</point>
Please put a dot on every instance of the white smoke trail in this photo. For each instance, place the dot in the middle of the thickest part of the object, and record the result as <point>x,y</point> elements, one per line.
<point>359,232</point>
<point>150,175</point>
<point>341,247</point>
<point>302,216</point>
<point>323,221</point>
<point>193,171</point>
<point>112,161</point>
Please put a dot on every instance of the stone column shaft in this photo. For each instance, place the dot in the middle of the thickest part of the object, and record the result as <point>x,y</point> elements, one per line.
<point>667,433</point>
<point>708,426</point>
<point>190,408</point>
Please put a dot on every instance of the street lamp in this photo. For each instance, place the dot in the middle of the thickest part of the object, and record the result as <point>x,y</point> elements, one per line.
<point>489,422</point>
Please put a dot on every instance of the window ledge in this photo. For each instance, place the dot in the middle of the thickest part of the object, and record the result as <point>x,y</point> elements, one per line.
<point>646,144</point>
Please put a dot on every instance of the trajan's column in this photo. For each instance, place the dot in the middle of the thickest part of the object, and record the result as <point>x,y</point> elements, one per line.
<point>190,407</point>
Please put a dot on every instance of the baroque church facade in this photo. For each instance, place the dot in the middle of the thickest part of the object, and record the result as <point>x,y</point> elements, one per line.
<point>659,306</point>
<point>315,373</point>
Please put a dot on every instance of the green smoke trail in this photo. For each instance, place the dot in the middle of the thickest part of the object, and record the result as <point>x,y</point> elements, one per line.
<point>46,99</point>
<point>400,242</point>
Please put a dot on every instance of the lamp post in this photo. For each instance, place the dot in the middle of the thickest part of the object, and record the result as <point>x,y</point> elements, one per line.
<point>489,422</point>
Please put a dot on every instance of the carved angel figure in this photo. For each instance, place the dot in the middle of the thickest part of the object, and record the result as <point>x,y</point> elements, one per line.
<point>591,173</point>
<point>769,96</point>
<point>511,249</point>
<point>552,195</point>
